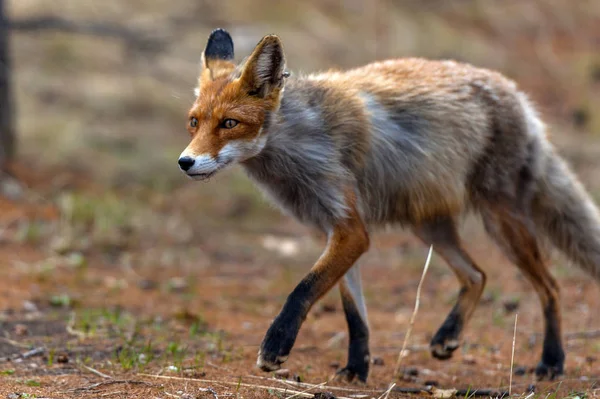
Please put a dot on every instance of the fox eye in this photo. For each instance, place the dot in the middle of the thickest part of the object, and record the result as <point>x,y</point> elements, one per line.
<point>229,123</point>
<point>193,122</point>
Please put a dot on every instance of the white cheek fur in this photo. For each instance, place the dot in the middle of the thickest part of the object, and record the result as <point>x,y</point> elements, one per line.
<point>240,150</point>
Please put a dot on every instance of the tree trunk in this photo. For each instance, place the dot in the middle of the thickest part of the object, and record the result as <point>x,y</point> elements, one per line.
<point>7,133</point>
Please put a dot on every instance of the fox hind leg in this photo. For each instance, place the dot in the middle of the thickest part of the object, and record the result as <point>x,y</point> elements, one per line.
<point>514,233</point>
<point>443,235</point>
<point>358,327</point>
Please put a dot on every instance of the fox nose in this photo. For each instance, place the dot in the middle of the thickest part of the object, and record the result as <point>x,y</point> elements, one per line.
<point>185,163</point>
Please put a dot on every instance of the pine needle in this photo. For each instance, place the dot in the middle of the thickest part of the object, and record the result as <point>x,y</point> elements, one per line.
<point>512,358</point>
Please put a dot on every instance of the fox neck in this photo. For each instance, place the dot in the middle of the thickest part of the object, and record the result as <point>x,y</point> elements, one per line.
<point>299,161</point>
<point>290,130</point>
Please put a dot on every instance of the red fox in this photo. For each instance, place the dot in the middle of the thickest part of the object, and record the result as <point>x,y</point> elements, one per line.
<point>409,142</point>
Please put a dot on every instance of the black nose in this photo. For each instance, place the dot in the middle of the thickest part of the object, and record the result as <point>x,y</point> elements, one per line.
<point>186,162</point>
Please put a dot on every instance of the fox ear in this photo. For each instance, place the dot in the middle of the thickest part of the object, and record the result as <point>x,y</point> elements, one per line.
<point>263,72</point>
<point>218,54</point>
<point>219,46</point>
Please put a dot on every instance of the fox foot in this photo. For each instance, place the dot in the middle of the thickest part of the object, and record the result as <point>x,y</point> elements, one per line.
<point>350,373</point>
<point>443,350</point>
<point>269,362</point>
<point>277,344</point>
<point>447,339</point>
<point>544,371</point>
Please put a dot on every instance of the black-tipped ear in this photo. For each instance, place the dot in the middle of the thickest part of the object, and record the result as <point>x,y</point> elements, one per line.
<point>219,46</point>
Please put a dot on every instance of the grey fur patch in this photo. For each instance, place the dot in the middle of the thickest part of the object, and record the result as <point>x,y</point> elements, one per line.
<point>353,282</point>
<point>299,167</point>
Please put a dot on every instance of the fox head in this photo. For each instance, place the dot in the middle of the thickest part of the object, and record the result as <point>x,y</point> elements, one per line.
<point>232,103</point>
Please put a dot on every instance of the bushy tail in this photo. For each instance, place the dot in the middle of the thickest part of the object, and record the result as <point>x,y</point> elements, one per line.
<point>566,214</point>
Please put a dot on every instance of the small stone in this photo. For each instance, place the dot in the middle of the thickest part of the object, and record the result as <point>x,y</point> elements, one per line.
<point>76,260</point>
<point>62,358</point>
<point>378,361</point>
<point>411,371</point>
<point>11,188</point>
<point>487,298</point>
<point>146,284</point>
<point>191,373</point>
<point>469,359</point>
<point>591,359</point>
<point>61,245</point>
<point>520,370</point>
<point>29,307</point>
<point>324,395</point>
<point>177,284</point>
<point>511,305</point>
<point>21,330</point>
<point>282,373</point>
<point>13,395</point>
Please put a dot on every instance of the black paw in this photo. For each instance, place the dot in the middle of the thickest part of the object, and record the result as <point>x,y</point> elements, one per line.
<point>350,373</point>
<point>550,372</point>
<point>269,361</point>
<point>446,339</point>
<point>277,344</point>
<point>442,349</point>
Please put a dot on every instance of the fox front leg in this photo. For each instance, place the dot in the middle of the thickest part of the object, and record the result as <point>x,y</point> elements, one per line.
<point>358,327</point>
<point>347,241</point>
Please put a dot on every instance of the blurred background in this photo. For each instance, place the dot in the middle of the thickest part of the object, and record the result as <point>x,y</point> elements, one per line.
<point>101,91</point>
<point>100,94</point>
<point>97,113</point>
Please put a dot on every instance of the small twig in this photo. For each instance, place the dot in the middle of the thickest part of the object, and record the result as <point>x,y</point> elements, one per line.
<point>217,366</point>
<point>207,390</point>
<point>111,382</point>
<point>512,358</point>
<point>211,391</point>
<point>387,393</point>
<point>112,393</point>
<point>33,352</point>
<point>15,343</point>
<point>282,390</point>
<point>414,314</point>
<point>297,384</point>
<point>309,389</point>
<point>94,371</point>
<point>71,328</point>
<point>488,392</point>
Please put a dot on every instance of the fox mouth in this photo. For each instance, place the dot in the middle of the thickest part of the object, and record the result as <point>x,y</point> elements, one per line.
<point>201,176</point>
<point>207,175</point>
